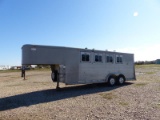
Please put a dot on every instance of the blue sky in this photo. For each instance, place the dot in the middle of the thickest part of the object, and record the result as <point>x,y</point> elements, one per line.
<point>123,25</point>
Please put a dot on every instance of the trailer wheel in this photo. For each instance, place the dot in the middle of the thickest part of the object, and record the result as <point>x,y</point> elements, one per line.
<point>112,80</point>
<point>121,79</point>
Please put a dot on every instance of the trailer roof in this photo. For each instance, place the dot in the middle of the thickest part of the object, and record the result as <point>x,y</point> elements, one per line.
<point>63,47</point>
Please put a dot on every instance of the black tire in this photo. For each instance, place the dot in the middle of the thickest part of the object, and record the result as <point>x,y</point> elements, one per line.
<point>112,80</point>
<point>121,79</point>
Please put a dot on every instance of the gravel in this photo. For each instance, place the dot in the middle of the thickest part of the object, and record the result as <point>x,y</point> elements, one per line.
<point>36,98</point>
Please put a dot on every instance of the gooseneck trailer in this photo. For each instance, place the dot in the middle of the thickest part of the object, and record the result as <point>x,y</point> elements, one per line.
<point>81,66</point>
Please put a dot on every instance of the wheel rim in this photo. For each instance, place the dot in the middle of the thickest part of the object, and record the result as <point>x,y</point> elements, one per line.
<point>112,81</point>
<point>121,80</point>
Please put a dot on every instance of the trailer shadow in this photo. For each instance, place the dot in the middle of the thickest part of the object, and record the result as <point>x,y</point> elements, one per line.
<point>52,95</point>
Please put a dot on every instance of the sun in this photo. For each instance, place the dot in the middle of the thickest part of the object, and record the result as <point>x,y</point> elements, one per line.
<point>135,14</point>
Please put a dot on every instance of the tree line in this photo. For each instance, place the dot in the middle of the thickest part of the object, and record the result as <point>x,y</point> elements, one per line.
<point>145,62</point>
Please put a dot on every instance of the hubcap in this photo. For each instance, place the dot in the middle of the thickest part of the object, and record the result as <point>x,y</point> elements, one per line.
<point>121,80</point>
<point>112,81</point>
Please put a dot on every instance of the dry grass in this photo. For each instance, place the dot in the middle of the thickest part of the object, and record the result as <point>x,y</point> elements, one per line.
<point>108,96</point>
<point>37,69</point>
<point>150,72</point>
<point>155,66</point>
<point>140,84</point>
<point>123,103</point>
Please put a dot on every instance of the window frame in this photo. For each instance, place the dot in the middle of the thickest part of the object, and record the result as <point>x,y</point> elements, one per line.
<point>85,59</point>
<point>119,59</point>
<point>110,56</point>
<point>99,59</point>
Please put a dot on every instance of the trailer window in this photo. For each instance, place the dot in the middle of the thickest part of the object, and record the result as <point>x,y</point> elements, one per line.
<point>98,57</point>
<point>119,58</point>
<point>109,59</point>
<point>85,56</point>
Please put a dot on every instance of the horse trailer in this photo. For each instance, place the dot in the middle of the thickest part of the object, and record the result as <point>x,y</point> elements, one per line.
<point>81,66</point>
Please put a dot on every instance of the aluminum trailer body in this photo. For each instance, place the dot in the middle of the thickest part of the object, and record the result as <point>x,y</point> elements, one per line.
<point>82,66</point>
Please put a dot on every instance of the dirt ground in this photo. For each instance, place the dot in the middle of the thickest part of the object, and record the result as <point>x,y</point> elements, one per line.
<point>36,98</point>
